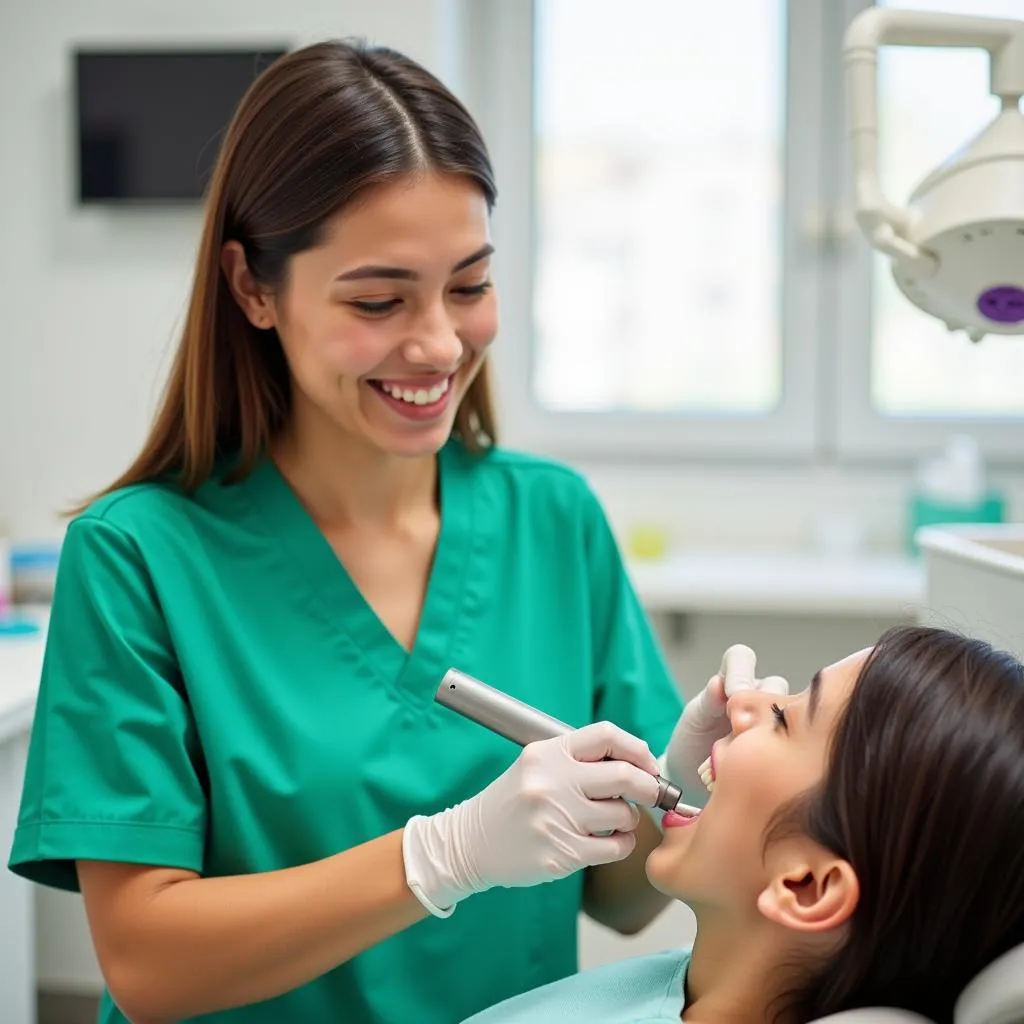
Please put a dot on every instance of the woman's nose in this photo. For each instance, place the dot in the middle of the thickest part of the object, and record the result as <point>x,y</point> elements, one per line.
<point>435,342</point>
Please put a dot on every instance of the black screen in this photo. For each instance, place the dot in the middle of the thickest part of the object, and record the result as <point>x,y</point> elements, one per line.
<point>150,123</point>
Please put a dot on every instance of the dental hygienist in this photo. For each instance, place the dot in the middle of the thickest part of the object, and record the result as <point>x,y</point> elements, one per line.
<point>236,756</point>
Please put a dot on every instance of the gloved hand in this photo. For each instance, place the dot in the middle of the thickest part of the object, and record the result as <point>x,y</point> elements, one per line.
<point>539,821</point>
<point>704,721</point>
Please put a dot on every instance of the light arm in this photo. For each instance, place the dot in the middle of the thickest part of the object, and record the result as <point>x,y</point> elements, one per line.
<point>884,224</point>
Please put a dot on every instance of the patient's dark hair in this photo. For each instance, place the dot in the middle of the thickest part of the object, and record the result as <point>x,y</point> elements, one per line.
<point>924,797</point>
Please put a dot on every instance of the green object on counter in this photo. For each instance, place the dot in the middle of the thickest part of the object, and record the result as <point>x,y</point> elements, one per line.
<point>928,512</point>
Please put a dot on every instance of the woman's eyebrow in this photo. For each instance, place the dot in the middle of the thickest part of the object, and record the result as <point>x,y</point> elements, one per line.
<point>481,254</point>
<point>403,274</point>
<point>815,697</point>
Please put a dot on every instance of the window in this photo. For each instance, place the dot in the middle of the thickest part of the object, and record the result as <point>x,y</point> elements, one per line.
<point>677,277</point>
<point>652,182</point>
<point>665,214</point>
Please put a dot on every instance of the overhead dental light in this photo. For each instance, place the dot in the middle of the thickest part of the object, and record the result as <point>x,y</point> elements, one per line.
<point>957,247</point>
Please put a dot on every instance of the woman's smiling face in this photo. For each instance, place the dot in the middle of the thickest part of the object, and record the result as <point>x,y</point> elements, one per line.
<point>778,749</point>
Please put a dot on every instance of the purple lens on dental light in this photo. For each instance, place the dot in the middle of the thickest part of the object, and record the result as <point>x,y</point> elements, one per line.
<point>1003,304</point>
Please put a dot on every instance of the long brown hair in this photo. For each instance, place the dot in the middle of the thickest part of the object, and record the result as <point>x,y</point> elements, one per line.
<point>924,797</point>
<point>317,129</point>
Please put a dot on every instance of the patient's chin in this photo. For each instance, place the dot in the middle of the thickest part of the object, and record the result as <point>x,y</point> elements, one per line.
<point>666,869</point>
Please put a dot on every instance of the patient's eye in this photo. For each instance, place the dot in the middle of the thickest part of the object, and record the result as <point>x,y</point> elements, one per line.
<point>780,716</point>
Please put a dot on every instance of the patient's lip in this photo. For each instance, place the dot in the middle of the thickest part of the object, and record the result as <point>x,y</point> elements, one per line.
<point>673,819</point>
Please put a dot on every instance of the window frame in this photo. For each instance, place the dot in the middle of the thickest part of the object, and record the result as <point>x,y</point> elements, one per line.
<point>504,29</point>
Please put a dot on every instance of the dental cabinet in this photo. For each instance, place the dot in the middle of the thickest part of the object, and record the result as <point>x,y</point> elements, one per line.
<point>975,582</point>
<point>21,659</point>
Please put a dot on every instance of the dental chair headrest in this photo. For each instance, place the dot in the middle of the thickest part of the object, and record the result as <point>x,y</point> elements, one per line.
<point>995,996</point>
<point>873,1015</point>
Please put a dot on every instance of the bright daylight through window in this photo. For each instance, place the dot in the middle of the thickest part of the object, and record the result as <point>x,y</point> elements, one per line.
<point>663,211</point>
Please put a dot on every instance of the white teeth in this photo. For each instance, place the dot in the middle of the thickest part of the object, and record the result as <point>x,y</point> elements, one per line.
<point>417,396</point>
<point>704,771</point>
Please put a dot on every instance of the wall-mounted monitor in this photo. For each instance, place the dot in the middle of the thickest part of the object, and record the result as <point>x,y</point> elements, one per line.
<point>149,123</point>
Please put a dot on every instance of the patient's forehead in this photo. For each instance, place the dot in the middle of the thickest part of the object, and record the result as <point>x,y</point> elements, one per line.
<point>838,682</point>
<point>853,662</point>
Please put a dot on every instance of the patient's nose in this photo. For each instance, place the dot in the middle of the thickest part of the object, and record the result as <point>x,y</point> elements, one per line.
<point>746,708</point>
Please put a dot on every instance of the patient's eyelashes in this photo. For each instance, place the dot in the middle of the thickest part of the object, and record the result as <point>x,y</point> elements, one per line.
<point>780,716</point>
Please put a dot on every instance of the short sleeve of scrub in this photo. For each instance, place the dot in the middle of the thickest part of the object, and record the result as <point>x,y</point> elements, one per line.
<point>633,685</point>
<point>114,771</point>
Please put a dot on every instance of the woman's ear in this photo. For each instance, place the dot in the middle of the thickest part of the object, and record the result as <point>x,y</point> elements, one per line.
<point>253,301</point>
<point>810,890</point>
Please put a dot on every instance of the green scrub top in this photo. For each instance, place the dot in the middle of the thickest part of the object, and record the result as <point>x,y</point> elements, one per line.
<point>218,696</point>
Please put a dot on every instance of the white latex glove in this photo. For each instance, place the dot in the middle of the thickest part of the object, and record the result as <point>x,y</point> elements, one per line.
<point>539,821</point>
<point>704,721</point>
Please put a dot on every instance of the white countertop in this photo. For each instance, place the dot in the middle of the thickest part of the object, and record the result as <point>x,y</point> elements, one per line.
<point>780,583</point>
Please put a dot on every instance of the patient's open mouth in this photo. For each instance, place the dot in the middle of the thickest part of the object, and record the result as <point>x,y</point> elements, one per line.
<point>673,819</point>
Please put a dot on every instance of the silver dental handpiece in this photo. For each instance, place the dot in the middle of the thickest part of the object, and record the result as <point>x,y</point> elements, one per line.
<point>524,724</point>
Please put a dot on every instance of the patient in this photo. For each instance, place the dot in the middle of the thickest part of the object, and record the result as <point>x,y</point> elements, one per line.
<point>863,846</point>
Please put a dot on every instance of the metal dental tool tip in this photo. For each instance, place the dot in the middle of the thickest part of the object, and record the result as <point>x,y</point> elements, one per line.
<point>524,724</point>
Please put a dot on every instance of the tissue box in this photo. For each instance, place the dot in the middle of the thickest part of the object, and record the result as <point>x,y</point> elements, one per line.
<point>926,511</point>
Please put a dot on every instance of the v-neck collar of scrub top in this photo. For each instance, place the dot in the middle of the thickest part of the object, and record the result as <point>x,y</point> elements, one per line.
<point>349,612</point>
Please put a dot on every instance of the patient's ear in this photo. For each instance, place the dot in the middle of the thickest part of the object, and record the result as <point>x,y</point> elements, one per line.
<point>811,889</point>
